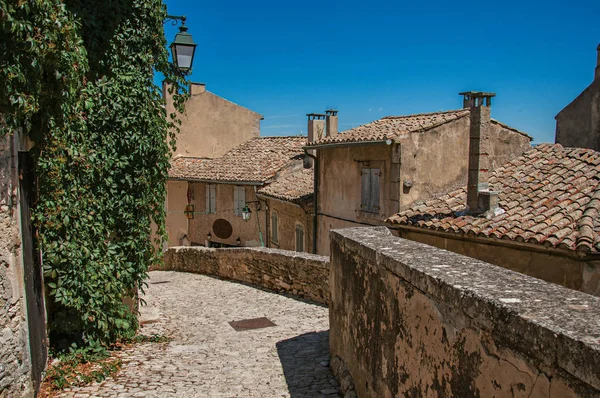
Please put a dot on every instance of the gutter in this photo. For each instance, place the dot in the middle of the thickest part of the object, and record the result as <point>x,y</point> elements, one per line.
<point>339,144</point>
<point>500,242</point>
<point>315,195</point>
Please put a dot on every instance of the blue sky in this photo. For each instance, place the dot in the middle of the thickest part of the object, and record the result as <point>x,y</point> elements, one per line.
<point>379,58</point>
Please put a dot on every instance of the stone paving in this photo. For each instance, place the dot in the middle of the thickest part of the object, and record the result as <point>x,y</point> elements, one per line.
<point>208,358</point>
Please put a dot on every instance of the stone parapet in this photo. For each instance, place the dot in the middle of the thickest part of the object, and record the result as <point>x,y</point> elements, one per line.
<point>302,274</point>
<point>409,319</point>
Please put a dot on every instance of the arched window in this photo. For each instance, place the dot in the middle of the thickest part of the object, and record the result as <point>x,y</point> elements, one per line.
<point>274,227</point>
<point>300,237</point>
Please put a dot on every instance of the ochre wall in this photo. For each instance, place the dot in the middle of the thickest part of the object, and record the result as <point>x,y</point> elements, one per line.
<point>176,222</point>
<point>301,274</point>
<point>411,320</point>
<point>289,214</point>
<point>201,225</point>
<point>578,124</point>
<point>211,125</point>
<point>434,161</point>
<point>549,266</point>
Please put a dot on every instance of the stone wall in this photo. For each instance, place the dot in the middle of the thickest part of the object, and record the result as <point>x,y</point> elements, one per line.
<point>302,274</point>
<point>14,353</point>
<point>412,320</point>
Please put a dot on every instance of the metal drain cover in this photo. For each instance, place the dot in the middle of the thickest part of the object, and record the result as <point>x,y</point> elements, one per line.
<point>248,324</point>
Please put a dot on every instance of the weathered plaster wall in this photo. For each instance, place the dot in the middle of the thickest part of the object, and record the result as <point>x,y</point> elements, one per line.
<point>578,124</point>
<point>412,320</point>
<point>15,368</point>
<point>288,215</point>
<point>340,187</point>
<point>302,274</point>
<point>202,224</point>
<point>176,222</point>
<point>549,266</point>
<point>436,161</point>
<point>212,125</point>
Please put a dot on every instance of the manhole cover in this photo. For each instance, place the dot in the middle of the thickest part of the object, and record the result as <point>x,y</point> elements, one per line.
<point>248,324</point>
<point>222,228</point>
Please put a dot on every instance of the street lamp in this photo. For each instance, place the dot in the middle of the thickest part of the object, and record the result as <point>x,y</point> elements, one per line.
<point>183,47</point>
<point>246,213</point>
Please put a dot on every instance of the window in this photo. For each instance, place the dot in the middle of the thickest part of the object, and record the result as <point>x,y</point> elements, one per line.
<point>239,200</point>
<point>211,198</point>
<point>370,190</point>
<point>299,237</point>
<point>274,228</point>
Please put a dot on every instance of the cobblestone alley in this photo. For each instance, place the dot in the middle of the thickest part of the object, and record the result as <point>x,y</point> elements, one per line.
<point>208,358</point>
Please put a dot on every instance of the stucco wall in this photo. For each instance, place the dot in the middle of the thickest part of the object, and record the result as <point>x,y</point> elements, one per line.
<point>176,222</point>
<point>436,161</point>
<point>15,368</point>
<point>412,320</point>
<point>201,225</point>
<point>550,265</point>
<point>212,125</point>
<point>578,124</point>
<point>301,274</point>
<point>289,215</point>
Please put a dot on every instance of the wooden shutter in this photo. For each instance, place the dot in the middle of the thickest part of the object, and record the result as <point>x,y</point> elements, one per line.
<point>208,198</point>
<point>365,189</point>
<point>236,201</point>
<point>274,232</point>
<point>299,238</point>
<point>374,194</point>
<point>213,198</point>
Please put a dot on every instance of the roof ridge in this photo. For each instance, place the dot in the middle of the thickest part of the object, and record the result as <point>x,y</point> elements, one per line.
<point>426,114</point>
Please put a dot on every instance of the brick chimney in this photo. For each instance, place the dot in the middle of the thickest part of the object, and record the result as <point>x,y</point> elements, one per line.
<point>316,132</point>
<point>479,198</point>
<point>597,75</point>
<point>331,122</point>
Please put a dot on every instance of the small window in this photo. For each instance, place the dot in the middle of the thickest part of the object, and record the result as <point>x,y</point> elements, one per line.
<point>274,228</point>
<point>211,198</point>
<point>239,200</point>
<point>370,190</point>
<point>299,238</point>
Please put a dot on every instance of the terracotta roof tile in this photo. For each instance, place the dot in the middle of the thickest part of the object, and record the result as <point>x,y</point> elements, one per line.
<point>256,161</point>
<point>550,195</point>
<point>391,127</point>
<point>295,184</point>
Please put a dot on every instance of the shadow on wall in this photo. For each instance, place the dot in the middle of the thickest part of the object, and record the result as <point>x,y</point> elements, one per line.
<point>305,362</point>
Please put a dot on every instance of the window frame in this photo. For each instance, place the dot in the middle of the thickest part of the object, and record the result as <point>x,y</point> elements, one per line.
<point>211,198</point>
<point>237,207</point>
<point>370,197</point>
<point>303,228</point>
<point>274,231</point>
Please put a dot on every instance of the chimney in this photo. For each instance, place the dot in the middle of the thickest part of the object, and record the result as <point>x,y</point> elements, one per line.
<point>331,122</point>
<point>597,75</point>
<point>197,88</point>
<point>316,132</point>
<point>479,198</point>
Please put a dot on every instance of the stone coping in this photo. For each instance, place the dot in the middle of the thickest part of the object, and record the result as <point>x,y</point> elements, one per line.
<point>287,253</point>
<point>554,325</point>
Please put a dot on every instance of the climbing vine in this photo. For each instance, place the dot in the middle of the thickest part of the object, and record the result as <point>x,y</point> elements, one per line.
<point>78,78</point>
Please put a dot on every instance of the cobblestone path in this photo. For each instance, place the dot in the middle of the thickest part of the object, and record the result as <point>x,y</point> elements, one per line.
<point>208,358</point>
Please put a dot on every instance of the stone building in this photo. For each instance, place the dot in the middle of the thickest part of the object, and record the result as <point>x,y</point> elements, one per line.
<point>215,191</point>
<point>368,173</point>
<point>543,222</point>
<point>211,126</point>
<point>578,124</point>
<point>21,360</point>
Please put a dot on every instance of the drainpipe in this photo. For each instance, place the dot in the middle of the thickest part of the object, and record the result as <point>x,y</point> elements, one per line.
<point>315,196</point>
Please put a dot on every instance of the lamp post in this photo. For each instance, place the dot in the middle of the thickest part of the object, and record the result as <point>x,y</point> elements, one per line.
<point>183,47</point>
